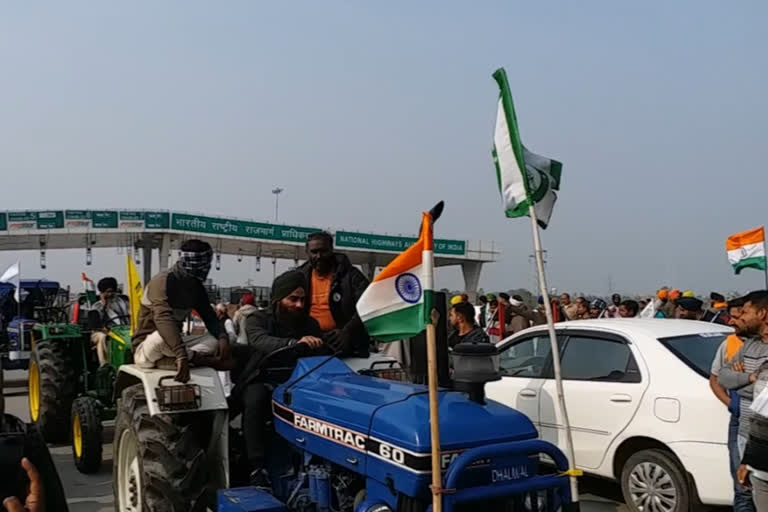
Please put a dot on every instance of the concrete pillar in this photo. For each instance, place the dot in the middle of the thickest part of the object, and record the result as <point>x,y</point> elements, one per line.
<point>165,251</point>
<point>471,271</point>
<point>369,270</point>
<point>146,246</point>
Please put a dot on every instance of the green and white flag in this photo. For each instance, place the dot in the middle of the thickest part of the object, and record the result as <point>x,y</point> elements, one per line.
<point>541,178</point>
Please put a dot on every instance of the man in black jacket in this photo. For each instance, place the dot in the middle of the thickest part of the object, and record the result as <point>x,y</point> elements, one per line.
<point>334,286</point>
<point>285,324</point>
<point>461,316</point>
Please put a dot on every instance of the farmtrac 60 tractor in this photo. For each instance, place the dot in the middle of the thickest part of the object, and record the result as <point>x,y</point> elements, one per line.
<point>341,442</point>
<point>70,394</point>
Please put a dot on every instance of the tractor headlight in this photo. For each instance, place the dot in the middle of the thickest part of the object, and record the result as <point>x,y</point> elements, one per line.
<point>474,364</point>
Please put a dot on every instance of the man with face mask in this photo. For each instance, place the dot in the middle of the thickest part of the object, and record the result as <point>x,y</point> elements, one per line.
<point>333,287</point>
<point>168,299</point>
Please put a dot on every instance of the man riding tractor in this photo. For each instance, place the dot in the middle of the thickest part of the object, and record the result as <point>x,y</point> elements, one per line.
<point>285,324</point>
<point>111,310</point>
<point>168,300</point>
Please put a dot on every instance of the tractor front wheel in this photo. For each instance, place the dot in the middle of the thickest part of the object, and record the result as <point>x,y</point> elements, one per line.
<point>86,434</point>
<point>159,464</point>
<point>51,388</point>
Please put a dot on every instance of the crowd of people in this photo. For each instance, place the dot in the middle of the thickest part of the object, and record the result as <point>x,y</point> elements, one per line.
<point>500,314</point>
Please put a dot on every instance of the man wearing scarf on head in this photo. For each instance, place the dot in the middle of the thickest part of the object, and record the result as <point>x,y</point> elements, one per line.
<point>167,301</point>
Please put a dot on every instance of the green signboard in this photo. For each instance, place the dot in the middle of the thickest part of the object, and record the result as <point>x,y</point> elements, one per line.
<point>246,229</point>
<point>77,214</point>
<point>129,215</point>
<point>36,220</point>
<point>161,220</point>
<point>104,219</point>
<point>50,220</point>
<point>157,220</point>
<point>394,243</point>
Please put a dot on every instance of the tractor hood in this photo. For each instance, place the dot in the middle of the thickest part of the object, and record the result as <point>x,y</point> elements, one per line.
<point>352,419</point>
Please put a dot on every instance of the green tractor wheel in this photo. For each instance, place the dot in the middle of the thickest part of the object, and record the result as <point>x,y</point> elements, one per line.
<point>86,434</point>
<point>51,389</point>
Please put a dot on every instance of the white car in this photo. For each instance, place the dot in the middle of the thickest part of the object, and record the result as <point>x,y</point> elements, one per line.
<point>639,404</point>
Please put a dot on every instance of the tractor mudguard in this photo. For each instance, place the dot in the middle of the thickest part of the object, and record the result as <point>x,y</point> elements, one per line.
<point>212,397</point>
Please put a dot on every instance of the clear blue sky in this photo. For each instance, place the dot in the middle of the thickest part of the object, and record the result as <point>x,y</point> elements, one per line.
<point>368,112</point>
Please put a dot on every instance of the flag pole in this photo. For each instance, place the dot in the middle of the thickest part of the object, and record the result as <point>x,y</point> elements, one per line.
<point>434,415</point>
<point>572,472</point>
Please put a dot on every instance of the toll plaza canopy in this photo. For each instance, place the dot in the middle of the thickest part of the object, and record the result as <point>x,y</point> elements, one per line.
<point>166,230</point>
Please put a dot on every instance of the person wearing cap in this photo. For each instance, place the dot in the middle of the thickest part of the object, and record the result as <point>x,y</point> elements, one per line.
<point>660,303</point>
<point>111,310</point>
<point>725,353</point>
<point>286,323</point>
<point>596,308</point>
<point>718,311</point>
<point>670,308</point>
<point>689,308</point>
<point>168,300</point>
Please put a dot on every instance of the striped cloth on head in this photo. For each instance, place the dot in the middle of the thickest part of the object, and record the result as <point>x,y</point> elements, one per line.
<point>198,264</point>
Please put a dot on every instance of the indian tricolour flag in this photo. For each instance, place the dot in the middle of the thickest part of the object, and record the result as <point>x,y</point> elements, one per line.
<point>396,305</point>
<point>90,290</point>
<point>747,249</point>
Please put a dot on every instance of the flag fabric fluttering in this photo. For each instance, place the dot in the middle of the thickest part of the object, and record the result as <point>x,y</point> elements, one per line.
<point>541,176</point>
<point>90,290</point>
<point>398,301</point>
<point>134,291</point>
<point>12,275</point>
<point>747,250</point>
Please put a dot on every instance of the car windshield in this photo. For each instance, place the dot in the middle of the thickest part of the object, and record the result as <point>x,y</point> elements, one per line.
<point>696,350</point>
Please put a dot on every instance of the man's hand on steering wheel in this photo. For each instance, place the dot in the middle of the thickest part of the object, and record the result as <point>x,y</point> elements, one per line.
<point>312,341</point>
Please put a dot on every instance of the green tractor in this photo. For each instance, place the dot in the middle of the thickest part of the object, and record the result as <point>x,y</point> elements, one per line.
<point>70,393</point>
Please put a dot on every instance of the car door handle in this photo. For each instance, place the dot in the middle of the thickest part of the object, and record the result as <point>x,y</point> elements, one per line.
<point>620,398</point>
<point>528,393</point>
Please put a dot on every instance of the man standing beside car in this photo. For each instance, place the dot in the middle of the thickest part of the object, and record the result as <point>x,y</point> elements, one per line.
<point>741,373</point>
<point>742,500</point>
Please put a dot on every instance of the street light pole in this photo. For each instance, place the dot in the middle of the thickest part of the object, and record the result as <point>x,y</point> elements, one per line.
<point>277,191</point>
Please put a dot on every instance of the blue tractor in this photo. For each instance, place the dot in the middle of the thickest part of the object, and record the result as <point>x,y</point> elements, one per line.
<point>42,302</point>
<point>343,441</point>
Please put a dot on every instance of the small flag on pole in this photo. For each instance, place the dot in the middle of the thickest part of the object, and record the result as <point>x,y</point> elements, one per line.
<point>541,178</point>
<point>747,250</point>
<point>90,290</point>
<point>134,291</point>
<point>13,275</point>
<point>397,304</point>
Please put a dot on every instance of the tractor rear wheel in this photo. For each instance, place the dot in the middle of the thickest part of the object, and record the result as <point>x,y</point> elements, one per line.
<point>51,388</point>
<point>159,464</point>
<point>86,434</point>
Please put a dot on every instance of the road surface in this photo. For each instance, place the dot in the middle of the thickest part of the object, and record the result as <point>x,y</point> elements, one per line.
<point>93,493</point>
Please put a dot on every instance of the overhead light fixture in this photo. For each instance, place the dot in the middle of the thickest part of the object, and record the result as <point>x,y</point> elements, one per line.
<point>218,261</point>
<point>137,257</point>
<point>42,258</point>
<point>258,263</point>
<point>239,255</point>
<point>88,256</point>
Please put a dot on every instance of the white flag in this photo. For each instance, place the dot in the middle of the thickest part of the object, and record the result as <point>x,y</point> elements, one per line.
<point>12,275</point>
<point>541,178</point>
<point>649,311</point>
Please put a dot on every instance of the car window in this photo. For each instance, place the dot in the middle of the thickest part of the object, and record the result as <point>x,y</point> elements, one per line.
<point>525,358</point>
<point>696,350</point>
<point>598,359</point>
